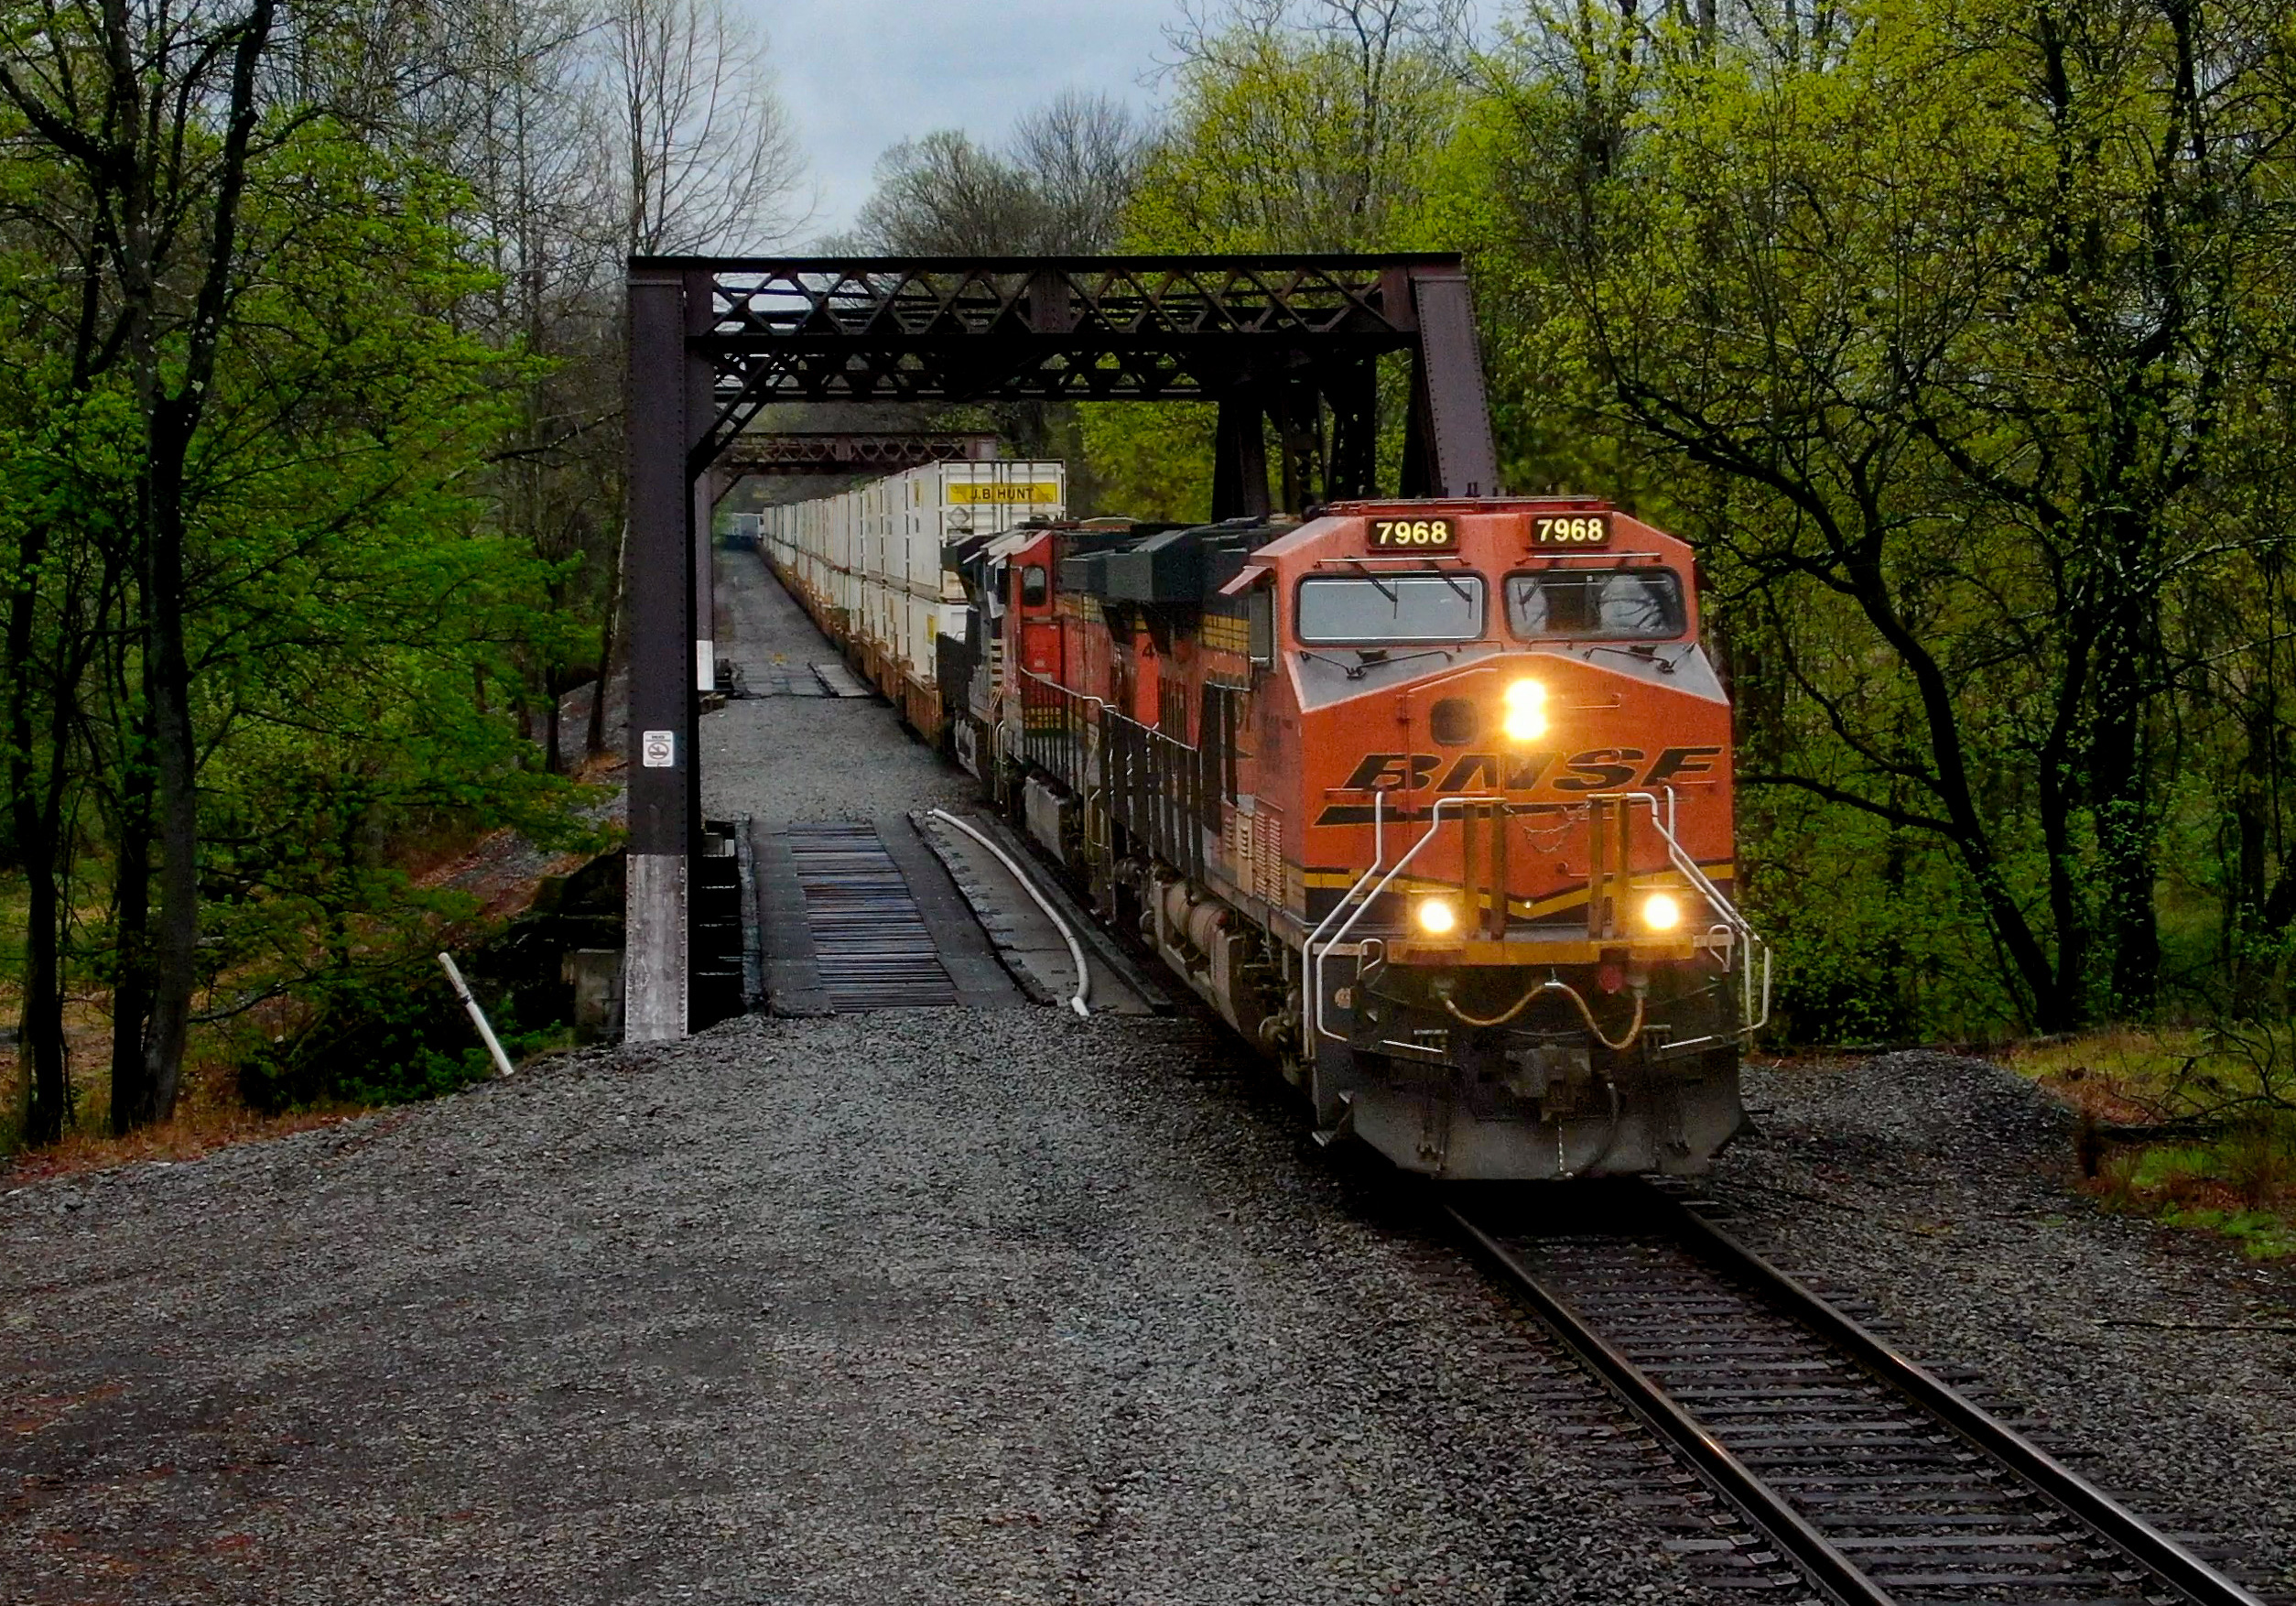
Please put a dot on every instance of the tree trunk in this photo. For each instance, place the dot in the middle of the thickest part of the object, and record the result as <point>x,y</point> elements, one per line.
<point>2059,996</point>
<point>37,841</point>
<point>552,759</point>
<point>131,927</point>
<point>176,930</point>
<point>171,392</point>
<point>2120,781</point>
<point>42,1020</point>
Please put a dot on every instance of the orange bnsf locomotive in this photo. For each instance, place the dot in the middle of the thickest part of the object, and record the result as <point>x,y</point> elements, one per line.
<point>1431,800</point>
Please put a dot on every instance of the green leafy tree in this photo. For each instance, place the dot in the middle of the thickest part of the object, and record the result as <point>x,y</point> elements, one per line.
<point>1933,318</point>
<point>1293,127</point>
<point>250,543</point>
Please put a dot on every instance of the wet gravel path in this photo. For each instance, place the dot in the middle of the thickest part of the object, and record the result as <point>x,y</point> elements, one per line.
<point>1939,1189</point>
<point>921,1307</point>
<point>784,758</point>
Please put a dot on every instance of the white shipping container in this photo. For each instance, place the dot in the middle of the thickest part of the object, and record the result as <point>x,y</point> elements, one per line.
<point>875,551</point>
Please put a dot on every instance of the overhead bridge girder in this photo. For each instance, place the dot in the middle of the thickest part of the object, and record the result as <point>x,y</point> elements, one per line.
<point>847,452</point>
<point>1290,343</point>
<point>1265,336</point>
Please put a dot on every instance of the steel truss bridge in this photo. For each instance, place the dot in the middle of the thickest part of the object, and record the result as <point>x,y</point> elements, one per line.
<point>1288,346</point>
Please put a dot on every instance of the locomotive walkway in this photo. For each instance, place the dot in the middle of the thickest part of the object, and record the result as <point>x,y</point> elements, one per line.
<point>857,910</point>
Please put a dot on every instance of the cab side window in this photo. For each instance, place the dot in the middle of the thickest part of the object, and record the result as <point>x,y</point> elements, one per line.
<point>1259,624</point>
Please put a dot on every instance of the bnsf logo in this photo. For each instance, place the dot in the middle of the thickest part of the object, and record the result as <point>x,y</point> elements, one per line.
<point>1598,769</point>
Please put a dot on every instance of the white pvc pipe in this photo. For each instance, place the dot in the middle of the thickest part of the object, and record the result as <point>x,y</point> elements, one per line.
<point>478,1015</point>
<point>1075,950</point>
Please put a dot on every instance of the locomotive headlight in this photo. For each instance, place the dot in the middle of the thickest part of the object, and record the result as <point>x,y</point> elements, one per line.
<point>1437,917</point>
<point>1660,912</point>
<point>1525,716</point>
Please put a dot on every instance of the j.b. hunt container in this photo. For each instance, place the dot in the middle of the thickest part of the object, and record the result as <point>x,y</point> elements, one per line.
<point>866,563</point>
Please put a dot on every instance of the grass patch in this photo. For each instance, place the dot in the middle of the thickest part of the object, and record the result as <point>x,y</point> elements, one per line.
<point>2193,1127</point>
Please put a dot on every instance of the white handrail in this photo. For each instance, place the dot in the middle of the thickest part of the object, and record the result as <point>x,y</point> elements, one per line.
<point>1315,976</point>
<point>1307,948</point>
<point>1076,950</point>
<point>1112,711</point>
<point>1751,1019</point>
<point>1754,1002</point>
<point>1066,690</point>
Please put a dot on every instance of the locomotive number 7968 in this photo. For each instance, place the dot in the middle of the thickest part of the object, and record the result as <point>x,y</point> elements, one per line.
<point>1421,535</point>
<point>1581,529</point>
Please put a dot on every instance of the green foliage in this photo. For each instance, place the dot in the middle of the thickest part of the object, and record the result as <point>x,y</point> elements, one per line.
<point>348,595</point>
<point>1282,136</point>
<point>351,590</point>
<point>2254,1162</point>
<point>1289,139</point>
<point>1929,329</point>
<point>383,1035</point>
<point>2195,1127</point>
<point>1151,459</point>
<point>2261,1234</point>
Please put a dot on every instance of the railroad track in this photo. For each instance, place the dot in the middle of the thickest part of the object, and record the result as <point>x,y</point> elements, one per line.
<point>1875,1483</point>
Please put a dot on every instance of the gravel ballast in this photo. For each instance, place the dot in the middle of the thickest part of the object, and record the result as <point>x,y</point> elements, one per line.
<point>2162,1364</point>
<point>802,758</point>
<point>912,1307</point>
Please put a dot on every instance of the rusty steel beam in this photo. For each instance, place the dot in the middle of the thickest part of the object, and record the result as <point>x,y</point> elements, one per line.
<point>852,451</point>
<point>1255,333</point>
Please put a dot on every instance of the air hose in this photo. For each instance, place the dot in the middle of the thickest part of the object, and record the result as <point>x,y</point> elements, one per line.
<point>1556,984</point>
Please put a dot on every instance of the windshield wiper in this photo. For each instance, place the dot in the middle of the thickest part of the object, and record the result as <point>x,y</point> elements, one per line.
<point>1645,652</point>
<point>1371,658</point>
<point>1394,599</point>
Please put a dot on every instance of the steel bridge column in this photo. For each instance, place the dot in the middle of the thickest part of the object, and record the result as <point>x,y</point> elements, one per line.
<point>709,488</point>
<point>664,710</point>
<point>705,503</point>
<point>702,406</point>
<point>1447,445</point>
<point>1354,396</point>
<point>1240,459</point>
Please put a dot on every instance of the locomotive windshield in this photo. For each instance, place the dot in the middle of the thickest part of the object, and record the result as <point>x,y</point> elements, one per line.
<point>1616,604</point>
<point>1336,611</point>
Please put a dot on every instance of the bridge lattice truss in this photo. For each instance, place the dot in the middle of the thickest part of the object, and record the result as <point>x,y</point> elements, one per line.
<point>1291,340</point>
<point>850,451</point>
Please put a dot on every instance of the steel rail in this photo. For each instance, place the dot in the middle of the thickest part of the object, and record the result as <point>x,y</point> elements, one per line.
<point>1794,1535</point>
<point>2055,1482</point>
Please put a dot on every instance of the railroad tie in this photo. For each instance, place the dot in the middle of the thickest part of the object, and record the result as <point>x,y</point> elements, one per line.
<point>870,943</point>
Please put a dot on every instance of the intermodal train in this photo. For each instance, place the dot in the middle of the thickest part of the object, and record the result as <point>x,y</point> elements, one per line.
<point>1430,800</point>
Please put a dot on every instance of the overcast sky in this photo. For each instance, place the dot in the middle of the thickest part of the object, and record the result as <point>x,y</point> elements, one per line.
<point>859,75</point>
